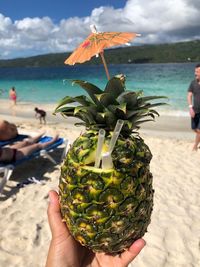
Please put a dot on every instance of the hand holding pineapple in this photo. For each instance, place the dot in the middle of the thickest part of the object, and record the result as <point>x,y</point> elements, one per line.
<point>65,251</point>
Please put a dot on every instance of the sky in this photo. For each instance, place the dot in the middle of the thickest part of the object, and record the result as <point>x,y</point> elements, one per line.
<point>29,28</point>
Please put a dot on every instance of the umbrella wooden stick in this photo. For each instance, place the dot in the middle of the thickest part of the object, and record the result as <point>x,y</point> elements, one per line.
<point>105,65</point>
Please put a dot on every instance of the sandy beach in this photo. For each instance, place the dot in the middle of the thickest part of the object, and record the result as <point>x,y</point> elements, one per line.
<point>173,237</point>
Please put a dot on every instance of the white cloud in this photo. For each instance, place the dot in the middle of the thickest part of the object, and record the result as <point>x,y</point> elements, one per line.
<point>35,29</point>
<point>157,21</point>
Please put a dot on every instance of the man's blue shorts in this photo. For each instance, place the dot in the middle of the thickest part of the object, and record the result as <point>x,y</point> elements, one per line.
<point>195,122</point>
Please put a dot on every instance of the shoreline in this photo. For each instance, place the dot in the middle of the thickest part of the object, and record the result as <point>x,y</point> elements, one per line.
<point>163,126</point>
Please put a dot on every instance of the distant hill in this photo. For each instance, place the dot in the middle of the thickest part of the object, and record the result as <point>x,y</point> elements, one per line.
<point>160,53</point>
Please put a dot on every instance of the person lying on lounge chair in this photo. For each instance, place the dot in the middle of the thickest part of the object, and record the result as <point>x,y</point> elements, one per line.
<point>7,130</point>
<point>23,148</point>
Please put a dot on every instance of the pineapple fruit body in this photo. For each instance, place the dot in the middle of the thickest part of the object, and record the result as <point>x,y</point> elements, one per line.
<point>106,210</point>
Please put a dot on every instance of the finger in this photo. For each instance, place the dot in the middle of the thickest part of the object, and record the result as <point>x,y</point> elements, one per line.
<point>54,216</point>
<point>133,251</point>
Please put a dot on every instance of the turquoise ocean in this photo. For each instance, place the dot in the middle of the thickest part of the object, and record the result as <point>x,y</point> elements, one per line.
<point>49,85</point>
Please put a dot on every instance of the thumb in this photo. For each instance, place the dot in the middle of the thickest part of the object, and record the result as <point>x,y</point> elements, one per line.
<point>133,251</point>
<point>56,224</point>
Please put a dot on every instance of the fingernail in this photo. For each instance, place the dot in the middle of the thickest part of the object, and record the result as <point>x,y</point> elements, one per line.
<point>52,196</point>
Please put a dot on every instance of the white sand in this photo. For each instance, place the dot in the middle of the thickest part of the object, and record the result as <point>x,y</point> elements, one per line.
<point>173,238</point>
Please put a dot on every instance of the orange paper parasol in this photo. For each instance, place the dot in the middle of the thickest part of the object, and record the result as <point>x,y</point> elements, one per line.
<point>95,44</point>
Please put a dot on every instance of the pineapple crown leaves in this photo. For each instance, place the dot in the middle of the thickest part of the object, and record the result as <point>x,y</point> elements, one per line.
<point>102,108</point>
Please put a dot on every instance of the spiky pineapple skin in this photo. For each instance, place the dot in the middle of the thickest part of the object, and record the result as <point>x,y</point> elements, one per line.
<point>107,210</point>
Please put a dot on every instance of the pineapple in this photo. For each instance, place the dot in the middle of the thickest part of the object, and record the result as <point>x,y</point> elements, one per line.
<point>106,210</point>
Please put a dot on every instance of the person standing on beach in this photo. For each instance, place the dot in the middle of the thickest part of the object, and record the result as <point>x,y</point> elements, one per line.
<point>41,114</point>
<point>13,99</point>
<point>193,99</point>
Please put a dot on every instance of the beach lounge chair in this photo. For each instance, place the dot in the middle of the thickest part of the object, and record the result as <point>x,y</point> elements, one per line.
<point>7,169</point>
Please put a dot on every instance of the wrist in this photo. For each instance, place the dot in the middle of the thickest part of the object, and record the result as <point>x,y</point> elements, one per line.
<point>190,106</point>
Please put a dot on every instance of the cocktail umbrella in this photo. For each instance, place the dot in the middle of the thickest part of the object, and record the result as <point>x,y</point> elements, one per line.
<point>95,44</point>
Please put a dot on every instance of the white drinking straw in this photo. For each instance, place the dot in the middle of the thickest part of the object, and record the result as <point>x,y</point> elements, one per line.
<point>100,142</point>
<point>106,161</point>
<point>106,157</point>
<point>115,135</point>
